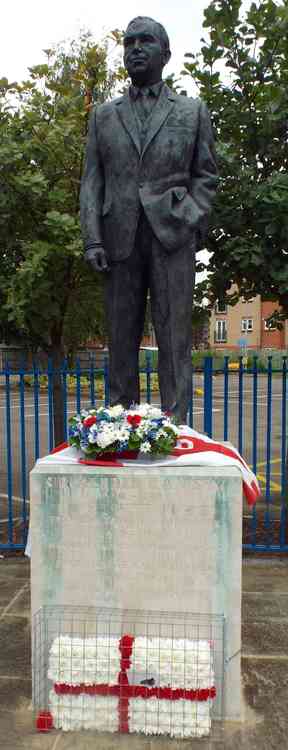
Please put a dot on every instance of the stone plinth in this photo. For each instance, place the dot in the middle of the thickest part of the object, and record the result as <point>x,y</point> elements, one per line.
<point>160,538</point>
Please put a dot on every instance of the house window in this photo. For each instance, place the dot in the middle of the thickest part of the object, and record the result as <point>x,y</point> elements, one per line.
<point>247,325</point>
<point>268,326</point>
<point>221,307</point>
<point>220,331</point>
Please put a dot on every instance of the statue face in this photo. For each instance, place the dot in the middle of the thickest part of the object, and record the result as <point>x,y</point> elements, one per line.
<point>144,57</point>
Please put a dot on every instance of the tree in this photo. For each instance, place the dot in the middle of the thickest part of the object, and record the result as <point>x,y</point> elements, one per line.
<point>47,291</point>
<point>242,73</point>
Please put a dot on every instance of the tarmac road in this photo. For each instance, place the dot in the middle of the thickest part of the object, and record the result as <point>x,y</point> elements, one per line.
<point>21,469</point>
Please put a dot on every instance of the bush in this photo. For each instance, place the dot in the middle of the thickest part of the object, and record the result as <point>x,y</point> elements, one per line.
<point>71,381</point>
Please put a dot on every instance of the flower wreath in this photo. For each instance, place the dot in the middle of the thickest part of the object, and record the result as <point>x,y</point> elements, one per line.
<point>143,429</point>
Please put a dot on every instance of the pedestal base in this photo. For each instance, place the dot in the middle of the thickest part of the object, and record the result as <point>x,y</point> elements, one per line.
<point>166,538</point>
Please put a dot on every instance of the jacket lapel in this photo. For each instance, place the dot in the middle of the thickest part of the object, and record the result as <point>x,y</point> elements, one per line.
<point>159,114</point>
<point>128,119</point>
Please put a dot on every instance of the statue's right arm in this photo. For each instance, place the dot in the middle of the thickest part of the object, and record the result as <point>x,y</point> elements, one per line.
<point>91,200</point>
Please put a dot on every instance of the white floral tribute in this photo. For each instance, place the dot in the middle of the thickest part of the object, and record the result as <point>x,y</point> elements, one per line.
<point>80,670</point>
<point>143,429</point>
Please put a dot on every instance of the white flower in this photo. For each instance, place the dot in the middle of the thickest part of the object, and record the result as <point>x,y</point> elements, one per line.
<point>145,447</point>
<point>76,712</point>
<point>116,411</point>
<point>142,410</point>
<point>154,412</point>
<point>96,660</point>
<point>160,434</point>
<point>123,433</point>
<point>106,436</point>
<point>143,428</point>
<point>177,662</point>
<point>91,660</point>
<point>83,415</point>
<point>92,435</point>
<point>179,718</point>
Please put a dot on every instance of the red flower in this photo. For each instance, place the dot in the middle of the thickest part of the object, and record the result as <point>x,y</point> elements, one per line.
<point>44,721</point>
<point>89,421</point>
<point>134,420</point>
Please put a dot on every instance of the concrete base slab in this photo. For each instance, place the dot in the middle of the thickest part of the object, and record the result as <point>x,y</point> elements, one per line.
<point>265,683</point>
<point>159,538</point>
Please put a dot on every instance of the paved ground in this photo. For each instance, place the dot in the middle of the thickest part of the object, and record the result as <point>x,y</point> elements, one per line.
<point>265,670</point>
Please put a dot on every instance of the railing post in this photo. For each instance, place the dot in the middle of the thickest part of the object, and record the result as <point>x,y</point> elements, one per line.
<point>267,515</point>
<point>240,406</point>
<point>283,456</point>
<point>226,396</point>
<point>92,384</point>
<point>255,414</point>
<point>63,374</point>
<point>208,395</point>
<point>283,429</point>
<point>269,430</point>
<point>148,367</point>
<point>36,408</point>
<point>50,404</point>
<point>106,382</point>
<point>78,385</point>
<point>23,450</point>
<point>9,455</point>
<point>191,399</point>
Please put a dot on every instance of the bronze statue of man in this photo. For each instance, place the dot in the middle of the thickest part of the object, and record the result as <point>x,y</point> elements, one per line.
<point>148,183</point>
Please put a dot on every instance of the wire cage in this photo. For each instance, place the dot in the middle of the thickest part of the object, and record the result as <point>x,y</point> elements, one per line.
<point>109,670</point>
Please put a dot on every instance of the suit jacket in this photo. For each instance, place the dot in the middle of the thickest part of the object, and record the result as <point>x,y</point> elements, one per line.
<point>173,176</point>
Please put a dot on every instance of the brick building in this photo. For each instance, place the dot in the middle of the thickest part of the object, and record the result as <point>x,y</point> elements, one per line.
<point>246,325</point>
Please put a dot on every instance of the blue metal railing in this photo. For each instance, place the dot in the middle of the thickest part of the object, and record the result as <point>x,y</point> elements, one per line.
<point>246,406</point>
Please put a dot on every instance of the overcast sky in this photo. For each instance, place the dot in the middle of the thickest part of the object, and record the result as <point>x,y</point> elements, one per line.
<point>29,26</point>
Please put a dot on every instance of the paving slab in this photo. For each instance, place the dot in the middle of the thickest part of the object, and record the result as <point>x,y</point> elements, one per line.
<point>265,637</point>
<point>16,597</point>
<point>10,731</point>
<point>15,651</point>
<point>117,742</point>
<point>264,672</point>
<point>14,690</point>
<point>264,575</point>
<point>15,568</point>
<point>264,606</point>
<point>9,586</point>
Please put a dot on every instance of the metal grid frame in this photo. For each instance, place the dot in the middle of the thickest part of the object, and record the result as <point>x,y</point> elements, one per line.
<point>89,624</point>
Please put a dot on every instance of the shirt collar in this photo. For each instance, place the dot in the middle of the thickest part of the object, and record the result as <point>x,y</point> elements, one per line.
<point>153,90</point>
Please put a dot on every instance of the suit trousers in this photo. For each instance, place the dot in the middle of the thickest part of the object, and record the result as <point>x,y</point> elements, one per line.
<point>169,278</point>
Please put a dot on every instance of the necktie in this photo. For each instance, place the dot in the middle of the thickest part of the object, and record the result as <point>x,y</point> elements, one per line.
<point>144,104</point>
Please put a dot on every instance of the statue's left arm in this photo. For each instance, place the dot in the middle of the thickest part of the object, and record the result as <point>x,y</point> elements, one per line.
<point>203,170</point>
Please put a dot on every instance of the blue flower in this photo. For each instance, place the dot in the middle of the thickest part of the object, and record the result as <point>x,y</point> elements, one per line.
<point>104,417</point>
<point>123,445</point>
<point>84,444</point>
<point>152,434</point>
<point>74,430</point>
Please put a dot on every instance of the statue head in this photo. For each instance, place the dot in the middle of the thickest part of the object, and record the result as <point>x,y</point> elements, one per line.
<point>146,50</point>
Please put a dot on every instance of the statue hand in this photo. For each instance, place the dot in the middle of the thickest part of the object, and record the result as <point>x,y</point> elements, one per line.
<point>97,258</point>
